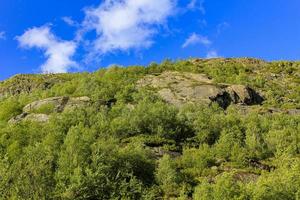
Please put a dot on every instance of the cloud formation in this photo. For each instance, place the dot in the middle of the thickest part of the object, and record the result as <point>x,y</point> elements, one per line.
<point>126,24</point>
<point>212,54</point>
<point>195,39</point>
<point>58,52</point>
<point>2,35</point>
<point>70,21</point>
<point>197,4</point>
<point>221,27</point>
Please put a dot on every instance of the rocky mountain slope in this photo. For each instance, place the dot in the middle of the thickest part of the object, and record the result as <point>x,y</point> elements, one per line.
<point>190,129</point>
<point>184,86</point>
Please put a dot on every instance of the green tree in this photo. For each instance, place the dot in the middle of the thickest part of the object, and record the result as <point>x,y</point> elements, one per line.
<point>168,176</point>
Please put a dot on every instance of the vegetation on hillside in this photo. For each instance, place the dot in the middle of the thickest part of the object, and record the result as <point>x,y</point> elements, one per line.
<point>130,144</point>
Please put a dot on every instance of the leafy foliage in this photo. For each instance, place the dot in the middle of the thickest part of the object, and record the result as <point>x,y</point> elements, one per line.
<point>130,144</point>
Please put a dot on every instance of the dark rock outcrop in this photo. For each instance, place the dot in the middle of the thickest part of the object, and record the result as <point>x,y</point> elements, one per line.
<point>244,95</point>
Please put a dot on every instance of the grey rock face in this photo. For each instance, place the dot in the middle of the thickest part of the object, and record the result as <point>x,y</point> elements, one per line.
<point>37,117</point>
<point>57,104</point>
<point>29,117</point>
<point>77,102</point>
<point>244,95</point>
<point>179,88</point>
<point>18,118</point>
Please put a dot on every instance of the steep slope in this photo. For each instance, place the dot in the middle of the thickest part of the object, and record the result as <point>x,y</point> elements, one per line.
<point>190,129</point>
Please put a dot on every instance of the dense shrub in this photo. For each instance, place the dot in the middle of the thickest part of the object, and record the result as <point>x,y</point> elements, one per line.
<point>130,144</point>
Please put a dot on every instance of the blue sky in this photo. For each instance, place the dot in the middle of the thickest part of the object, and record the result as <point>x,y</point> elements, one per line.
<point>39,36</point>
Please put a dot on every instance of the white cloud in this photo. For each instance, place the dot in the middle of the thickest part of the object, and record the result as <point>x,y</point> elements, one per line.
<point>126,24</point>
<point>221,27</point>
<point>70,21</point>
<point>58,52</point>
<point>2,35</point>
<point>194,39</point>
<point>212,54</point>
<point>197,4</point>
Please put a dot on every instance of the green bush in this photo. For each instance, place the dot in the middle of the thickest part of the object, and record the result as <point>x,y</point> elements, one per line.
<point>9,108</point>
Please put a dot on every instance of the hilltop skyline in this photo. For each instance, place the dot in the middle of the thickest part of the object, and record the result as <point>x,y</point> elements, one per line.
<point>65,36</point>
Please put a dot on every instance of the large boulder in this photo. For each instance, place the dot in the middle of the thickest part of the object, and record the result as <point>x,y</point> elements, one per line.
<point>37,117</point>
<point>179,88</point>
<point>241,94</point>
<point>76,102</point>
<point>57,104</point>
<point>42,118</point>
<point>39,111</point>
<point>18,118</point>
